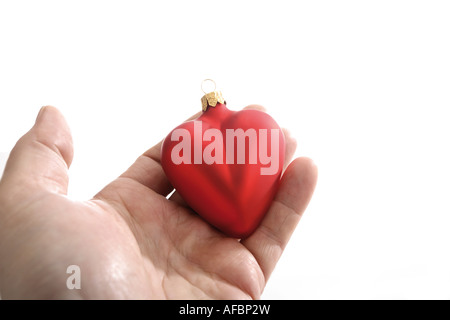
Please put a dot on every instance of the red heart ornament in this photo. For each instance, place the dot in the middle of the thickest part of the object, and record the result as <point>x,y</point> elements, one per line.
<point>227,166</point>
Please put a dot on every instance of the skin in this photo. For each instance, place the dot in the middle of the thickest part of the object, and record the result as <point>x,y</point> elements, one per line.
<point>130,241</point>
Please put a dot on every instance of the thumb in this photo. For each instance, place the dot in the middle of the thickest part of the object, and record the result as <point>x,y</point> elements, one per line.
<point>41,158</point>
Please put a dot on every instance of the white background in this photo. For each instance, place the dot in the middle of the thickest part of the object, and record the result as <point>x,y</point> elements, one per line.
<point>362,85</point>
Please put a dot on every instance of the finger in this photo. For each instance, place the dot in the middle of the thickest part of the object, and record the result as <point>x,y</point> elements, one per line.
<point>270,238</point>
<point>255,107</point>
<point>41,158</point>
<point>148,171</point>
<point>290,147</point>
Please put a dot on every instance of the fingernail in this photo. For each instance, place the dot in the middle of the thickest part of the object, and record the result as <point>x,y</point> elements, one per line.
<point>41,113</point>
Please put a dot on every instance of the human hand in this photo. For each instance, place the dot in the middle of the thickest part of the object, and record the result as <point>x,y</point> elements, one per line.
<point>129,240</point>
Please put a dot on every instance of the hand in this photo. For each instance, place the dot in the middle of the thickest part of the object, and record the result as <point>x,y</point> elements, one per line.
<point>129,240</point>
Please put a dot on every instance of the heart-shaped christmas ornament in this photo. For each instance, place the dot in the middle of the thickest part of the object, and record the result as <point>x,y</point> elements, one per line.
<point>226,164</point>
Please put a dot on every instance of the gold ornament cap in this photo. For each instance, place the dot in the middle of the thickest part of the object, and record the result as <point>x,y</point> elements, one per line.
<point>212,98</point>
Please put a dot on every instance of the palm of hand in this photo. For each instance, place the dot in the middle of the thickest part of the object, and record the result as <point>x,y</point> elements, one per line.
<point>129,241</point>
